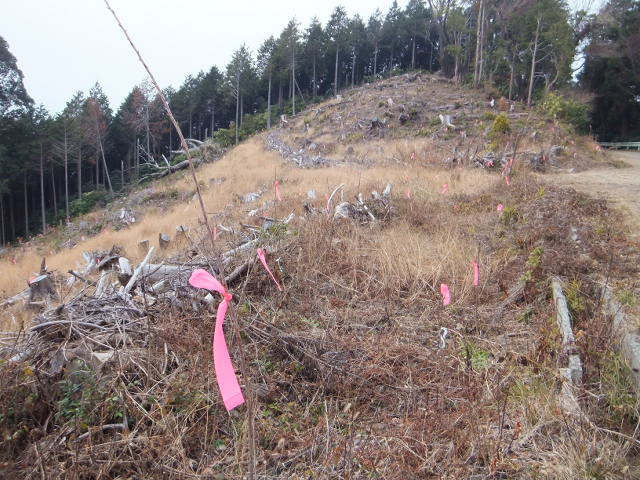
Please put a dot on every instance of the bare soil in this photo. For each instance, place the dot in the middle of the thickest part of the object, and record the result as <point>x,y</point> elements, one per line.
<point>618,185</point>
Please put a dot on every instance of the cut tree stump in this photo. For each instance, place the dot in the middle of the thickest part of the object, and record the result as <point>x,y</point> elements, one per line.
<point>143,246</point>
<point>164,240</point>
<point>41,288</point>
<point>125,272</point>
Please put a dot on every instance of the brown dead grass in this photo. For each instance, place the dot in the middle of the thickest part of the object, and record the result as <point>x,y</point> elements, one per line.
<point>247,168</point>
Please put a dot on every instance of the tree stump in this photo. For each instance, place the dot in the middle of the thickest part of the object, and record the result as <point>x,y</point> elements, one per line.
<point>143,246</point>
<point>41,288</point>
<point>164,240</point>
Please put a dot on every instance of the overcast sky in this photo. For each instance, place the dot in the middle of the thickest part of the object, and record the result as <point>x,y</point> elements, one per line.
<point>63,46</point>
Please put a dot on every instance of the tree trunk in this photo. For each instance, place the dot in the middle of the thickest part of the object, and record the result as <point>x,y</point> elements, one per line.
<point>269,102</point>
<point>533,63</point>
<point>66,175</point>
<point>481,65</point>
<point>79,171</point>
<point>293,78</point>
<point>12,218</point>
<point>104,160</point>
<point>375,60</point>
<point>237,103</point>
<point>53,192</point>
<point>4,241</point>
<point>44,216</point>
<point>313,82</point>
<point>476,63</point>
<point>511,75</point>
<point>97,171</point>
<point>353,70</point>
<point>146,127</point>
<point>26,205</point>
<point>335,76</point>
<point>213,116</point>
<point>241,110</point>
<point>413,54</point>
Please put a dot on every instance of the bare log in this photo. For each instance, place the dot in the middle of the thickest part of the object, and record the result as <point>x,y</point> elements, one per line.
<point>627,333</point>
<point>16,298</point>
<point>573,372</point>
<point>136,273</point>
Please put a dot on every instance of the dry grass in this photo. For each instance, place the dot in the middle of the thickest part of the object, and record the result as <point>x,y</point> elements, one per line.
<point>247,168</point>
<point>350,377</point>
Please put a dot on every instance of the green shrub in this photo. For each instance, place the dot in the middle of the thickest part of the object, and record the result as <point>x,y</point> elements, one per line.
<point>568,110</point>
<point>87,202</point>
<point>500,126</point>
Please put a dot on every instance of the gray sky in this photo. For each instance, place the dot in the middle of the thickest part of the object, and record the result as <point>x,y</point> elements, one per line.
<point>63,46</point>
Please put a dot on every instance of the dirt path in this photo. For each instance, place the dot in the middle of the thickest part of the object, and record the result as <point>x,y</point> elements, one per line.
<point>620,185</point>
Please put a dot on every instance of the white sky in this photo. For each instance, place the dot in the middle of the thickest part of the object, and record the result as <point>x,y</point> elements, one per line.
<point>63,46</point>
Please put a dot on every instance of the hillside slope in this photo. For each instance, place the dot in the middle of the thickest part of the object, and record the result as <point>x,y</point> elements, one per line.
<point>357,368</point>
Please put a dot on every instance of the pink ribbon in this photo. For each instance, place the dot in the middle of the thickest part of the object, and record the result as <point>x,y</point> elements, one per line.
<point>278,196</point>
<point>446,294</point>
<point>445,188</point>
<point>225,375</point>
<point>413,155</point>
<point>326,196</point>
<point>263,259</point>
<point>216,234</point>
<point>476,274</point>
<point>506,179</point>
<point>500,207</point>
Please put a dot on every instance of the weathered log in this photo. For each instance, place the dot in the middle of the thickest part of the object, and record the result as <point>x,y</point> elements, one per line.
<point>16,298</point>
<point>136,273</point>
<point>573,371</point>
<point>627,334</point>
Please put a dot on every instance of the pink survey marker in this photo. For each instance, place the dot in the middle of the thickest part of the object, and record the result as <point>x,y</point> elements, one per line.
<point>225,375</point>
<point>278,196</point>
<point>263,260</point>
<point>446,294</point>
<point>476,274</point>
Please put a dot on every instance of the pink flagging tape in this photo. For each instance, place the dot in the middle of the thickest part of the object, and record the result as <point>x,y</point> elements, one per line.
<point>216,234</point>
<point>500,207</point>
<point>476,274</point>
<point>327,197</point>
<point>446,294</point>
<point>263,260</point>
<point>413,155</point>
<point>507,181</point>
<point>445,188</point>
<point>278,196</point>
<point>409,193</point>
<point>225,375</point>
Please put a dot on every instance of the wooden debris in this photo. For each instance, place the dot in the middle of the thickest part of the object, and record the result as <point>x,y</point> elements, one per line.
<point>143,246</point>
<point>163,241</point>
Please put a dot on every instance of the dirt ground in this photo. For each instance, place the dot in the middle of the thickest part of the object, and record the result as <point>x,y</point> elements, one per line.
<point>619,185</point>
